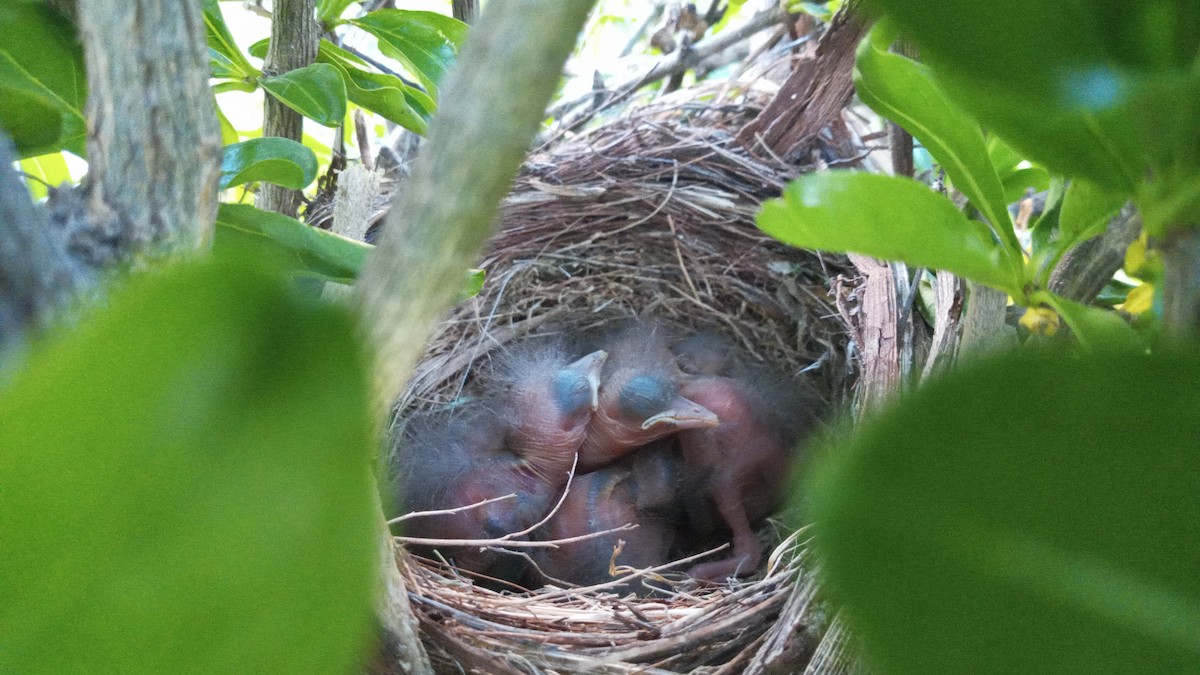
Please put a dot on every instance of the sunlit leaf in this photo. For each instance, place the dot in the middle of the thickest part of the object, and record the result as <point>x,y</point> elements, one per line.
<point>426,43</point>
<point>47,170</point>
<point>229,135</point>
<point>384,94</point>
<point>904,92</point>
<point>1040,320</point>
<point>1018,182</point>
<point>315,91</point>
<point>186,488</point>
<point>43,86</point>
<point>228,57</point>
<point>301,247</point>
<point>329,11</point>
<point>1095,328</point>
<point>274,160</point>
<point>890,218</point>
<point>1140,299</point>
<point>1035,514</point>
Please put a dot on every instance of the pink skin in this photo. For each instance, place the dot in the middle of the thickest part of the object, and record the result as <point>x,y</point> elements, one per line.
<point>637,490</point>
<point>638,399</point>
<point>551,409</point>
<point>741,465</point>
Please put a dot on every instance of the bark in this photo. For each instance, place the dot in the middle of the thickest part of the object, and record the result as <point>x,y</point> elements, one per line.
<point>294,38</point>
<point>36,276</point>
<point>465,10</point>
<point>153,144</point>
<point>439,223</point>
<point>983,328</point>
<point>1181,284</point>
<point>948,312</point>
<point>876,330</point>
<point>1084,270</point>
<point>811,97</point>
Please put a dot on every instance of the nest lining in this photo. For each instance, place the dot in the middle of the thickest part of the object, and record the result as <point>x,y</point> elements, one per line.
<point>649,215</point>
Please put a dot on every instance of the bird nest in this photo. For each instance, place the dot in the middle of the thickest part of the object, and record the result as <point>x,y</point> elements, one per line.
<point>650,215</point>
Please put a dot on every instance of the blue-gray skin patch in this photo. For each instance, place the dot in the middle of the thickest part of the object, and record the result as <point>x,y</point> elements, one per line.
<point>572,391</point>
<point>645,396</point>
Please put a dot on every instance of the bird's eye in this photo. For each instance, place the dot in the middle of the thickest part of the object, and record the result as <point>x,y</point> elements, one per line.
<point>645,396</point>
<point>572,392</point>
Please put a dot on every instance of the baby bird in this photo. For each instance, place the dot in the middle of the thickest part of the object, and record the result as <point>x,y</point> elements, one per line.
<point>737,471</point>
<point>519,437</point>
<point>451,461</point>
<point>642,489</point>
<point>639,401</point>
<point>548,401</point>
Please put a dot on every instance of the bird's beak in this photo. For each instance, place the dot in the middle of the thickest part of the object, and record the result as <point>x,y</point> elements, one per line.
<point>684,414</point>
<point>590,366</point>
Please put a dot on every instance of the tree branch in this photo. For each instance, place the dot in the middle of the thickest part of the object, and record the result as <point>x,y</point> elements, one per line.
<point>154,144</point>
<point>438,224</point>
<point>36,276</point>
<point>294,38</point>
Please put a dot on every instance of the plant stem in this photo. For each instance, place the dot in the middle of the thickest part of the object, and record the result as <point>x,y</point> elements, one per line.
<point>1181,284</point>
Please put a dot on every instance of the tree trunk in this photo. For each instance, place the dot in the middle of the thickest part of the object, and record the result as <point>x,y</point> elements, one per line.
<point>465,10</point>
<point>294,39</point>
<point>36,276</point>
<point>153,144</point>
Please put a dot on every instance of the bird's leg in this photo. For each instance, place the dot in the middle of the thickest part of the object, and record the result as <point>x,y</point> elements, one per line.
<point>747,551</point>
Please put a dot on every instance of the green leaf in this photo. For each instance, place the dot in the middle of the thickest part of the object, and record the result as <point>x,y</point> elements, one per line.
<point>904,92</point>
<point>1043,520</point>
<point>301,247</point>
<point>1017,182</point>
<point>329,11</point>
<point>378,93</point>
<point>243,230</point>
<point>227,58</point>
<point>315,91</point>
<point>258,48</point>
<point>43,86</point>
<point>275,160</point>
<point>475,279</point>
<point>229,134</point>
<point>890,218</point>
<point>1096,89</point>
<point>48,169</point>
<point>1086,210</point>
<point>1095,328</point>
<point>186,485</point>
<point>426,43</point>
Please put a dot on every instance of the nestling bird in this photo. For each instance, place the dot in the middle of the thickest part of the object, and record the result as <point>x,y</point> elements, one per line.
<point>452,461</point>
<point>548,401</point>
<point>638,399</point>
<point>642,489</point>
<point>736,472</point>
<point>520,436</point>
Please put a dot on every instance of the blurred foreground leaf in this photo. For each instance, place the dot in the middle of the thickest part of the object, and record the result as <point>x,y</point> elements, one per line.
<point>185,486</point>
<point>1051,525</point>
